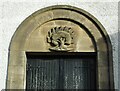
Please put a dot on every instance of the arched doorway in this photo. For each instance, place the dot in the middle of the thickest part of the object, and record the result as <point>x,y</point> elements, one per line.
<point>62,30</point>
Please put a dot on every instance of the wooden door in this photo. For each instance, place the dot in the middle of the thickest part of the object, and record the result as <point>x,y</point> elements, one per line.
<point>60,73</point>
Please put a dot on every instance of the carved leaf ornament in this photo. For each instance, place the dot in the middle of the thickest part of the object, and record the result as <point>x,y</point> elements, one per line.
<point>60,38</point>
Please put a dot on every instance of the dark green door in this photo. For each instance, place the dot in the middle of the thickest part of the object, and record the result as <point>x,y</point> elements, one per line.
<point>60,73</point>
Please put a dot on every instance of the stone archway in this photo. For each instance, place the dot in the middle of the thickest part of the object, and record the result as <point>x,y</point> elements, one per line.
<point>31,36</point>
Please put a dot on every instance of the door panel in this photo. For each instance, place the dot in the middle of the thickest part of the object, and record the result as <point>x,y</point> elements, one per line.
<point>60,73</point>
<point>42,74</point>
<point>77,74</point>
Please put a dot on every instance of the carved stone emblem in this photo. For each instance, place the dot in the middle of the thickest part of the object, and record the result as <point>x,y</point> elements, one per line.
<point>60,38</point>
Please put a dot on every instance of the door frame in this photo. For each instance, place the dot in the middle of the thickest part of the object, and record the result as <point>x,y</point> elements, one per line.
<point>16,74</point>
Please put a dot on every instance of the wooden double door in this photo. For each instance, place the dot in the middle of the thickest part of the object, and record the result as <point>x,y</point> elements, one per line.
<point>60,72</point>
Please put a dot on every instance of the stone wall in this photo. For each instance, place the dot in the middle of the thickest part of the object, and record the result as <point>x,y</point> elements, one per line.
<point>13,13</point>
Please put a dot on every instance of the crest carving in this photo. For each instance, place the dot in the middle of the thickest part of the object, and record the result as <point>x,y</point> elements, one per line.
<point>60,38</point>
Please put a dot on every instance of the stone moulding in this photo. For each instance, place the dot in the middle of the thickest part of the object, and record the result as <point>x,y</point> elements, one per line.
<point>30,36</point>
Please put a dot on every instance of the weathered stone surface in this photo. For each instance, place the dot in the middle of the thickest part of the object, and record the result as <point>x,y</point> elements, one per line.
<point>89,36</point>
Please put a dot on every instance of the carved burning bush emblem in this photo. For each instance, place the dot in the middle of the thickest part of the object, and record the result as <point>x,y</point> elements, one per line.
<point>60,38</point>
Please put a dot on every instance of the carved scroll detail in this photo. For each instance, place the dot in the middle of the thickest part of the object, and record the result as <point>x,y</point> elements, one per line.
<point>60,38</point>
